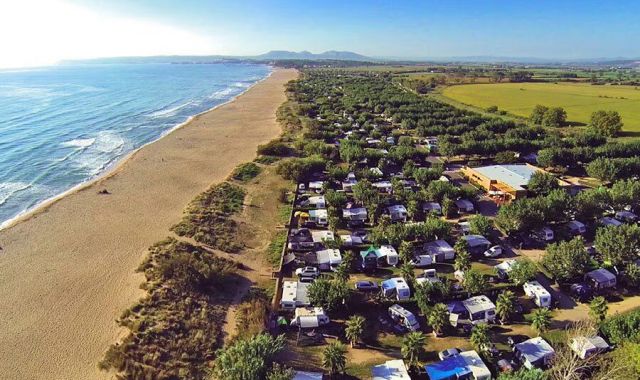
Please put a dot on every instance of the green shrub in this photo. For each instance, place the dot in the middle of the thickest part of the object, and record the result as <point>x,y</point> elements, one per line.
<point>208,220</point>
<point>246,171</point>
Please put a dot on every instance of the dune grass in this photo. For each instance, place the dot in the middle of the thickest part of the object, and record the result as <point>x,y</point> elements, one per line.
<point>208,220</point>
<point>578,99</point>
<point>175,330</point>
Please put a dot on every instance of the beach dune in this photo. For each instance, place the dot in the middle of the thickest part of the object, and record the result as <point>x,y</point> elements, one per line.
<point>67,270</point>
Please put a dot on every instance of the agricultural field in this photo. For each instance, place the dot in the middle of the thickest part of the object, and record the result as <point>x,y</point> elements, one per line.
<point>579,100</point>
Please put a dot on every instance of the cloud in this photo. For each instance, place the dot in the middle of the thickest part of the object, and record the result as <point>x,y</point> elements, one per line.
<point>42,32</point>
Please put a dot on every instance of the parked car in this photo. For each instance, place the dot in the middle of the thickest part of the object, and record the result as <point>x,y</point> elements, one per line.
<point>449,352</point>
<point>308,272</point>
<point>494,251</point>
<point>366,286</point>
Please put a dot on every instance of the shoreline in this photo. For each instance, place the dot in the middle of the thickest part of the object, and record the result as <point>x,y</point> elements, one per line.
<point>115,166</point>
<point>68,270</point>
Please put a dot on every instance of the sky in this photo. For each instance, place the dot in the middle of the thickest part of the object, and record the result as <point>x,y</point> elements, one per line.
<point>42,32</point>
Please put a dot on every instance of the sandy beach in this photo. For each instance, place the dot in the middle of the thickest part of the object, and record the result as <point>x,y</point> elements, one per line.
<point>67,270</point>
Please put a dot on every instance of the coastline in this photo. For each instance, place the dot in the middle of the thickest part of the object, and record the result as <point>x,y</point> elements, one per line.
<point>67,269</point>
<point>113,168</point>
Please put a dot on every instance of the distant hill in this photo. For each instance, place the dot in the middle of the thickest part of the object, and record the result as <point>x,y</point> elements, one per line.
<point>305,55</point>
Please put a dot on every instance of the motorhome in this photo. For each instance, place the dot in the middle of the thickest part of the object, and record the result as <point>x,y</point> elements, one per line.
<point>384,187</point>
<point>319,217</point>
<point>626,216</point>
<point>316,186</point>
<point>432,208</point>
<point>404,317</point>
<point>600,279</point>
<point>397,287</point>
<point>294,294</point>
<point>544,234</point>
<point>609,221</point>
<point>503,269</point>
<point>420,261</point>
<point>439,250</point>
<point>428,275</point>
<point>398,213</point>
<point>309,316</point>
<point>586,347</point>
<point>534,353</point>
<point>355,216</point>
<point>464,206</point>
<point>476,244</point>
<point>328,259</point>
<point>541,296</point>
<point>316,201</point>
<point>576,227</point>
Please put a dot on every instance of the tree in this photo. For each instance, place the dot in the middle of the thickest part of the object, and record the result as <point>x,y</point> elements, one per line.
<point>625,193</point>
<point>505,305</point>
<point>480,225</point>
<point>522,271</point>
<point>537,114</point>
<point>406,271</point>
<point>366,194</point>
<point>447,207</point>
<point>413,348</point>
<point>328,294</point>
<point>524,374</point>
<point>280,372</point>
<point>604,169</point>
<point>405,251</point>
<point>631,275</point>
<point>480,337</point>
<point>541,183</point>
<point>355,329</point>
<point>608,123</point>
<point>567,260</point>
<point>554,117</point>
<point>462,261</point>
<point>506,157</point>
<point>541,319</point>
<point>598,309</point>
<point>474,282</point>
<point>438,318</point>
<point>618,245</point>
<point>247,358</point>
<point>334,358</point>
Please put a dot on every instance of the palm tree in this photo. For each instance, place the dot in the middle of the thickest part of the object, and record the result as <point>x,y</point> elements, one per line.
<point>480,337</point>
<point>438,318</point>
<point>334,358</point>
<point>505,305</point>
<point>462,261</point>
<point>413,348</point>
<point>355,329</point>
<point>406,271</point>
<point>598,309</point>
<point>541,319</point>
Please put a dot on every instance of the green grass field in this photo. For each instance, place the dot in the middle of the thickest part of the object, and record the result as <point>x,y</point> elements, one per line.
<point>579,100</point>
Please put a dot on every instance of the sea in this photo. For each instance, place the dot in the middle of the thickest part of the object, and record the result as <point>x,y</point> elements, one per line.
<point>62,126</point>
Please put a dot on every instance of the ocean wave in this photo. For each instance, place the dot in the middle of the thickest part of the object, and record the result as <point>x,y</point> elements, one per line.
<point>223,94</point>
<point>106,147</point>
<point>169,111</point>
<point>8,189</point>
<point>79,143</point>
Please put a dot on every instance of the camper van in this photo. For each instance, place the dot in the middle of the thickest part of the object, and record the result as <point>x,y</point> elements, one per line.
<point>310,316</point>
<point>576,228</point>
<point>544,234</point>
<point>480,309</point>
<point>541,296</point>
<point>389,253</point>
<point>420,261</point>
<point>404,317</point>
<point>396,286</point>
<point>428,275</point>
<point>319,217</point>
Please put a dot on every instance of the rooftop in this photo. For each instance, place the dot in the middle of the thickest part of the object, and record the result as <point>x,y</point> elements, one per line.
<point>515,176</point>
<point>391,370</point>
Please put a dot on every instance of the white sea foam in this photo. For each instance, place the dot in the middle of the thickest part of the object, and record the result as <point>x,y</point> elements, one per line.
<point>79,143</point>
<point>169,111</point>
<point>8,189</point>
<point>222,94</point>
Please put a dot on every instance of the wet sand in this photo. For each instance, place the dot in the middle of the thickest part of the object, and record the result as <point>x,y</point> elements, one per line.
<point>67,270</point>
